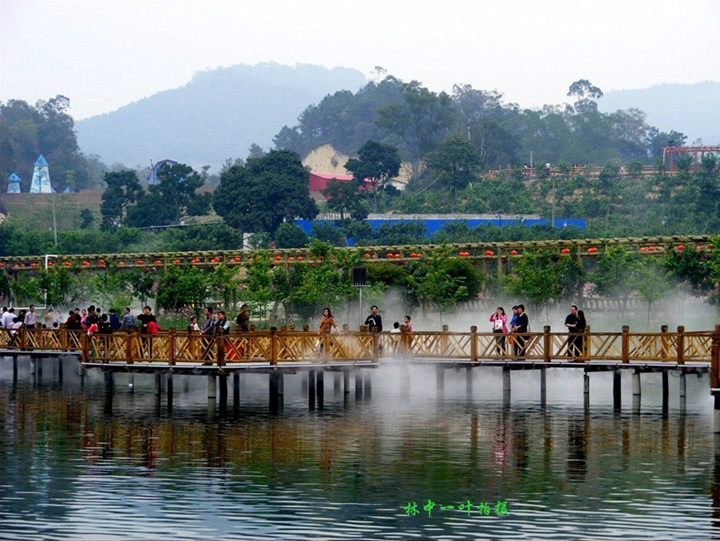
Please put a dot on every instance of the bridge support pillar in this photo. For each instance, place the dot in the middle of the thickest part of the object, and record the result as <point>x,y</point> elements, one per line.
<point>367,385</point>
<point>506,380</point>
<point>636,391</point>
<point>236,392</point>
<point>211,394</point>
<point>440,380</point>
<point>222,380</point>
<point>543,386</point>
<point>617,390</point>
<point>346,382</point>
<point>665,390</point>
<point>683,386</point>
<point>131,382</point>
<point>586,388</point>
<point>469,382</point>
<point>186,384</point>
<point>311,389</point>
<point>358,386</point>
<point>276,390</point>
<point>15,369</point>
<point>158,384</point>
<point>337,384</point>
<point>716,414</point>
<point>33,367</point>
<point>304,382</point>
<point>320,388</point>
<point>108,395</point>
<point>405,382</point>
<point>170,391</point>
<point>60,369</point>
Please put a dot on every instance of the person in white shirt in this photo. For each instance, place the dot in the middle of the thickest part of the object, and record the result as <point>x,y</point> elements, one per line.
<point>30,317</point>
<point>7,318</point>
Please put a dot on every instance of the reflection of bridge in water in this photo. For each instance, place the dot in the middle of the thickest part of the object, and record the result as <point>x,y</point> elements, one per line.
<point>351,353</point>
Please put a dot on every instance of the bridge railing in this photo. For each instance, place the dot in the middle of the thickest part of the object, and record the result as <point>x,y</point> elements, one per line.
<point>273,346</point>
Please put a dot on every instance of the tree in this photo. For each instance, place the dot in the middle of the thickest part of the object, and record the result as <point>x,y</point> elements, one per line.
<point>422,120</point>
<point>290,236</point>
<point>182,287</point>
<point>172,198</point>
<point>585,93</point>
<point>123,189</point>
<point>265,191</point>
<point>651,282</point>
<point>455,163</point>
<point>540,278</point>
<point>346,197</point>
<point>377,163</point>
<point>612,272</point>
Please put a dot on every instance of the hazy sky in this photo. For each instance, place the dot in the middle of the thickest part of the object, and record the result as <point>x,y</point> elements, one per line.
<point>103,54</point>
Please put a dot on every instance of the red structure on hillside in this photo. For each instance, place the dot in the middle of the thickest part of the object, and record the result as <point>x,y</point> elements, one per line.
<point>319,181</point>
<point>697,153</point>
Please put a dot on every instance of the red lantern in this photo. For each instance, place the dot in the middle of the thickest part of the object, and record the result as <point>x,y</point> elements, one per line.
<point>50,264</point>
<point>565,251</point>
<point>121,264</point>
<point>3,264</point>
<point>320,258</point>
<point>397,256</point>
<point>680,247</point>
<point>196,261</point>
<point>85,264</point>
<point>176,262</point>
<point>66,264</point>
<point>158,263</point>
<point>300,258</point>
<point>389,256</point>
<point>513,252</point>
<point>101,263</point>
<point>278,258</point>
<point>592,250</point>
<point>33,265</point>
<point>291,258</point>
<point>139,262</point>
<point>651,249</point>
<point>366,256</point>
<point>489,253</point>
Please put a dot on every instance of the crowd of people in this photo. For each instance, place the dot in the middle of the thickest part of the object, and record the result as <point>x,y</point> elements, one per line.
<point>512,339</point>
<point>519,325</point>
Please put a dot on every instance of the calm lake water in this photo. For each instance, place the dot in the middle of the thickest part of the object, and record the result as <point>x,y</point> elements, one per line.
<point>72,469</point>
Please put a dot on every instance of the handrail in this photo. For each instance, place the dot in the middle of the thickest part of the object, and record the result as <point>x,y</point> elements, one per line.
<point>293,346</point>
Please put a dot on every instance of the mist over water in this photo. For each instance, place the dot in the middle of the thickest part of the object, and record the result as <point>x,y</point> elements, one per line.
<point>73,469</point>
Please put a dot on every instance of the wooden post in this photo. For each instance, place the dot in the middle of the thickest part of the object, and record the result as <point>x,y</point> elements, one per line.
<point>158,384</point>
<point>375,347</point>
<point>543,386</point>
<point>220,344</point>
<point>473,344</point>
<point>85,353</point>
<point>664,347</point>
<point>625,343</point>
<point>22,333</point>
<point>273,346</point>
<point>681,344</point>
<point>547,345</point>
<point>63,339</point>
<point>444,340</point>
<point>171,336</point>
<point>326,347</point>
<point>715,361</point>
<point>665,389</point>
<point>128,348</point>
<point>586,384</point>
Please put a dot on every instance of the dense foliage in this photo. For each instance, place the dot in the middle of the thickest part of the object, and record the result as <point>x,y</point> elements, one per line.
<point>27,131</point>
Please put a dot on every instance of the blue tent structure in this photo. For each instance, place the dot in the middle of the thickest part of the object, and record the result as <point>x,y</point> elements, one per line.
<point>41,177</point>
<point>13,184</point>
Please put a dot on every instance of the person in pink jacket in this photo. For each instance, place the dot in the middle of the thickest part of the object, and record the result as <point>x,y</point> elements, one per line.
<point>499,321</point>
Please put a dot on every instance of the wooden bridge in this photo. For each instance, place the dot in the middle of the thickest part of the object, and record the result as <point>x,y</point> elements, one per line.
<point>281,351</point>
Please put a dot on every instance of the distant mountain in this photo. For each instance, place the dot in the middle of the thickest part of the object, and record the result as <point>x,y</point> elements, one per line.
<point>216,116</point>
<point>693,109</point>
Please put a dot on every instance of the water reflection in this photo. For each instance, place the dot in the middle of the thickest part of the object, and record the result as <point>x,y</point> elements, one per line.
<point>71,469</point>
